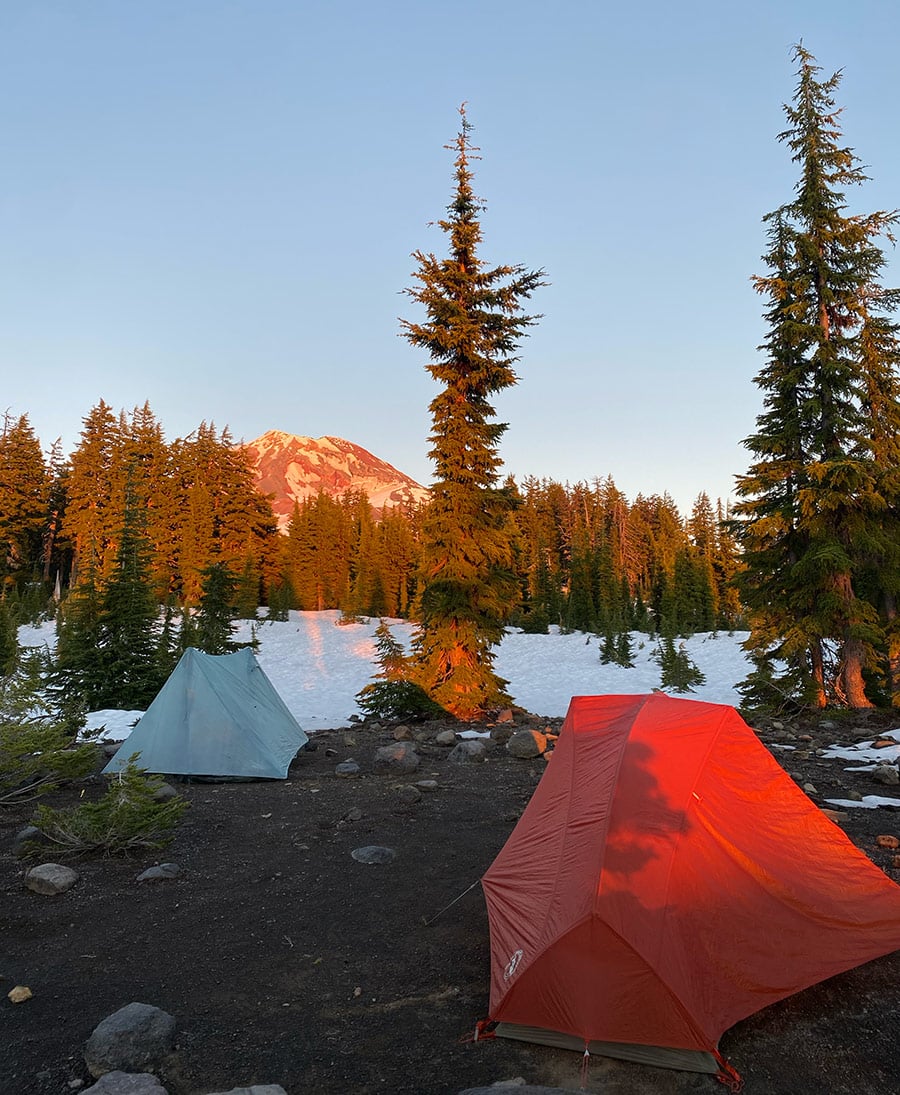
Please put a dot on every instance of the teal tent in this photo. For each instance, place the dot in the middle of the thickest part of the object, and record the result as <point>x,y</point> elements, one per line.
<point>216,715</point>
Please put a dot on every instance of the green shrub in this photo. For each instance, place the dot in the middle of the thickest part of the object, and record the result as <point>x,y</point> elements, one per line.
<point>125,819</point>
<point>36,743</point>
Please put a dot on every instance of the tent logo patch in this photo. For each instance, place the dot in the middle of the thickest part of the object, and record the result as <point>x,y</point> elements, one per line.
<point>513,964</point>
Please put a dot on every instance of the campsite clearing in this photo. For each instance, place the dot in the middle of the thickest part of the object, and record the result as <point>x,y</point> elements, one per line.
<point>285,960</point>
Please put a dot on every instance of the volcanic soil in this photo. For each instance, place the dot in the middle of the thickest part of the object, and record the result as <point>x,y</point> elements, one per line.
<point>286,961</point>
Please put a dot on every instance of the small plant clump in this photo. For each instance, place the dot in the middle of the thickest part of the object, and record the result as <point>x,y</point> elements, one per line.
<point>127,818</point>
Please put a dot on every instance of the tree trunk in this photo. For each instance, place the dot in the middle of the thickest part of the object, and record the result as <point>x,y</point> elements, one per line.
<point>852,676</point>
<point>817,668</point>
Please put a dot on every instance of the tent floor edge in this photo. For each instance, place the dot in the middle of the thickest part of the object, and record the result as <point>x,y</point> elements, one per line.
<point>684,1060</point>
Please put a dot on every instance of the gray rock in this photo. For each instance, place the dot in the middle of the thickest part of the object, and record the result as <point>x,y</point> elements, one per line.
<point>51,878</point>
<point>502,733</point>
<point>402,733</point>
<point>886,774</point>
<point>23,836</point>
<point>409,795</point>
<point>427,784</point>
<point>471,751</point>
<point>126,1083</point>
<point>110,748</point>
<point>347,769</point>
<point>164,793</point>
<point>446,737</point>
<point>256,1089</point>
<point>401,757</point>
<point>132,1039</point>
<point>373,853</point>
<point>162,872</point>
<point>526,744</point>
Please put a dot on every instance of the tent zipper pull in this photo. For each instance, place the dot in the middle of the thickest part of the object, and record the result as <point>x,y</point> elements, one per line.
<point>585,1065</point>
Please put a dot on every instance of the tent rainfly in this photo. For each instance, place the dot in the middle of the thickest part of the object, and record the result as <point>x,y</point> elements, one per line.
<point>216,715</point>
<point>667,879</point>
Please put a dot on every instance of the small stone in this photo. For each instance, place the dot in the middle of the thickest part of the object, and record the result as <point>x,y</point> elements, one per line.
<point>854,796</point>
<point>31,833</point>
<point>162,872</point>
<point>887,841</point>
<point>836,816</point>
<point>427,784</point>
<point>373,853</point>
<point>887,775</point>
<point>164,793</point>
<point>506,715</point>
<point>445,737</point>
<point>19,994</point>
<point>402,733</point>
<point>255,1089</point>
<point>51,878</point>
<point>883,743</point>
<point>810,788</point>
<point>126,1083</point>
<point>353,814</point>
<point>347,769</point>
<point>409,795</point>
<point>349,741</point>
<point>895,862</point>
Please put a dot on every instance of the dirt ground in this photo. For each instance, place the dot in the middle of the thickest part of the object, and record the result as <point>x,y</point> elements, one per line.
<point>284,960</point>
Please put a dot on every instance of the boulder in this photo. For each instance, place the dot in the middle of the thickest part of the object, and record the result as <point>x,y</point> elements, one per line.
<point>51,878</point>
<point>135,1038</point>
<point>401,757</point>
<point>446,737</point>
<point>527,744</point>
<point>467,752</point>
<point>373,853</point>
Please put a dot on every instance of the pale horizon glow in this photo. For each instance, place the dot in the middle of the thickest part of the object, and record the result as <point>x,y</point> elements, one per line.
<point>211,208</point>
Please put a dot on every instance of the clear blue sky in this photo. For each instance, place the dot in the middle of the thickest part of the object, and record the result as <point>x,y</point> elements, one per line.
<point>211,205</point>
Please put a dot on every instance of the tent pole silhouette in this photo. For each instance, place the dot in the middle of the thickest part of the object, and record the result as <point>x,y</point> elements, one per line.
<point>666,880</point>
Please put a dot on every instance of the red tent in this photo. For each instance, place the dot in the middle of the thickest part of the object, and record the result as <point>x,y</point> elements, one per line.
<point>667,879</point>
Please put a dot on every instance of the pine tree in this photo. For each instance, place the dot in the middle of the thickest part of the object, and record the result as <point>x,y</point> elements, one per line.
<point>131,673</point>
<point>815,506</point>
<point>24,493</point>
<point>211,627</point>
<point>473,324</point>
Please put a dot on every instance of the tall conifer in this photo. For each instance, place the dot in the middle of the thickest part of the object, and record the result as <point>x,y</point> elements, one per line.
<point>815,503</point>
<point>472,327</point>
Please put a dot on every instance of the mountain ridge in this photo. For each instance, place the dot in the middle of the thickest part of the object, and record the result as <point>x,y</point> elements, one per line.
<point>293,467</point>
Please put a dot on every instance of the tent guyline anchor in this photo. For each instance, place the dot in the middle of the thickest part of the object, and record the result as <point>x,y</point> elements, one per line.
<point>450,903</point>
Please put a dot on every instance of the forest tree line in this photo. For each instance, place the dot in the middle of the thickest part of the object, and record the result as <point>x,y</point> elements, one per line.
<point>585,557</point>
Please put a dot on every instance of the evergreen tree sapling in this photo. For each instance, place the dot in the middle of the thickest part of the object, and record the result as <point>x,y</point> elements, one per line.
<point>473,323</point>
